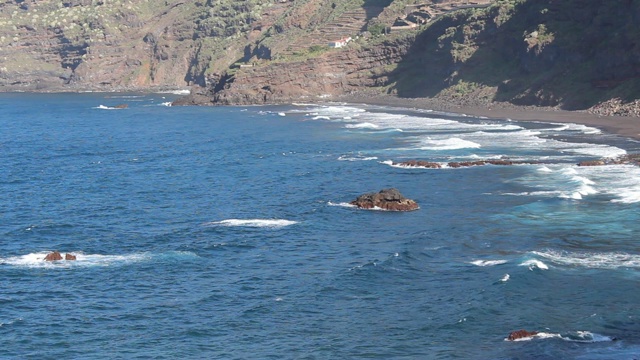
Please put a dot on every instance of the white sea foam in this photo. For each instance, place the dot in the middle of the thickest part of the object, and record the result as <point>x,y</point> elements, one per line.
<point>356,158</point>
<point>622,182</point>
<point>532,264</point>
<point>365,125</point>
<point>36,260</point>
<point>168,103</point>
<point>103,107</point>
<point>575,336</point>
<point>342,204</point>
<point>584,129</point>
<point>259,223</point>
<point>591,260</point>
<point>488,262</point>
<point>177,92</point>
<point>447,144</point>
<point>282,114</point>
<point>402,121</point>
<point>505,278</point>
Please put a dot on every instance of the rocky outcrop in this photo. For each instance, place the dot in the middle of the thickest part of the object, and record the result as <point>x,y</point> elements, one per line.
<point>56,256</point>
<point>627,159</point>
<point>115,46</point>
<point>521,334</point>
<point>387,199</point>
<point>418,164</point>
<point>459,164</point>
<point>592,163</point>
<point>328,76</point>
<point>487,162</point>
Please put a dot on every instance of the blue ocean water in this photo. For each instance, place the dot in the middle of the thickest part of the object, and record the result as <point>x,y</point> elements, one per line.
<point>225,233</point>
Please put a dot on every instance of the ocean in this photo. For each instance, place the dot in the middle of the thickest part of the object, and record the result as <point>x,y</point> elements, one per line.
<point>226,233</point>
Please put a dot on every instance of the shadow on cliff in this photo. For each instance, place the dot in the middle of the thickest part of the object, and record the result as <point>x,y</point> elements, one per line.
<point>546,53</point>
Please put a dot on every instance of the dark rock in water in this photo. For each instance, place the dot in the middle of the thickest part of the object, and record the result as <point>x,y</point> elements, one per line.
<point>521,334</point>
<point>627,159</point>
<point>121,106</point>
<point>592,163</point>
<point>418,163</point>
<point>466,164</point>
<point>54,256</point>
<point>387,199</point>
<point>501,162</point>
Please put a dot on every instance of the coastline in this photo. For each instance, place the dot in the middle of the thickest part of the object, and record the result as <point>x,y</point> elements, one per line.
<point>625,126</point>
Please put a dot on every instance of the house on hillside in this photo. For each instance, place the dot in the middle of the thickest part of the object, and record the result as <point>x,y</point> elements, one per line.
<point>340,43</point>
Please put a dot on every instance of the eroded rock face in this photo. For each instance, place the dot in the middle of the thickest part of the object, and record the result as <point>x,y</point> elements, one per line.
<point>521,334</point>
<point>456,164</point>
<point>387,199</point>
<point>627,159</point>
<point>418,163</point>
<point>54,256</point>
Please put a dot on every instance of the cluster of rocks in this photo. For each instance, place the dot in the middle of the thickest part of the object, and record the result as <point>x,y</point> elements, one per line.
<point>617,107</point>
<point>628,159</point>
<point>56,256</point>
<point>387,199</point>
<point>434,165</point>
<point>521,334</point>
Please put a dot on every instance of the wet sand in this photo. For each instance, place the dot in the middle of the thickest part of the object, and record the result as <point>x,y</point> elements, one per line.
<point>621,125</point>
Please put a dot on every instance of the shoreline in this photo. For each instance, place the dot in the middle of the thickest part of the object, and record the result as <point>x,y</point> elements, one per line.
<point>625,126</point>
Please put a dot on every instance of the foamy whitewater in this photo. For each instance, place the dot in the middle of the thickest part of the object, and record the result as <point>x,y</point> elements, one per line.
<point>227,233</point>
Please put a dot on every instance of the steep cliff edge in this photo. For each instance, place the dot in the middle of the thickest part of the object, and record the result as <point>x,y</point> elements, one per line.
<point>564,54</point>
<point>568,54</point>
<point>112,45</point>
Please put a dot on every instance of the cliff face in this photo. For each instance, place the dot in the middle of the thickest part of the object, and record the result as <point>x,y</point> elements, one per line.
<point>336,73</point>
<point>123,45</point>
<point>570,54</point>
<point>565,54</point>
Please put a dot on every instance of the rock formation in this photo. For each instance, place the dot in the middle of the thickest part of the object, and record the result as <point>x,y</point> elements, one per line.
<point>521,334</point>
<point>456,164</point>
<point>418,164</point>
<point>387,199</point>
<point>56,256</point>
<point>627,159</point>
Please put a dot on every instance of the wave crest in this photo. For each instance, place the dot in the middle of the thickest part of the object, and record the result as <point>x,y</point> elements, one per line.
<point>591,260</point>
<point>259,223</point>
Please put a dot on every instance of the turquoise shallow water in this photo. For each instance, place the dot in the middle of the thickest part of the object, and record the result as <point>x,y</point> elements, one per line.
<point>225,233</point>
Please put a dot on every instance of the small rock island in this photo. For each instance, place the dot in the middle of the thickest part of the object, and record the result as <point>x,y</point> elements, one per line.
<point>387,199</point>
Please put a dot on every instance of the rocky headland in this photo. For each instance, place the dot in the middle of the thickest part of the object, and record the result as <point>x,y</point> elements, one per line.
<point>483,54</point>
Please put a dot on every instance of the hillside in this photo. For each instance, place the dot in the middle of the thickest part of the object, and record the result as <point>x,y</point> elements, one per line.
<point>567,54</point>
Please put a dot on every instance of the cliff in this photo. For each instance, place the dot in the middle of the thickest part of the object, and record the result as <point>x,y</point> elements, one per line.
<point>567,54</point>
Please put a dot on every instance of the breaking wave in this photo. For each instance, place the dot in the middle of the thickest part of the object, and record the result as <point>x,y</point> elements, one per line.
<point>574,336</point>
<point>36,260</point>
<point>258,223</point>
<point>103,107</point>
<point>488,262</point>
<point>533,264</point>
<point>591,260</point>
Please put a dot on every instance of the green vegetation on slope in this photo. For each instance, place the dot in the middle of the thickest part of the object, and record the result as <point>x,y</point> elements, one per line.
<point>544,52</point>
